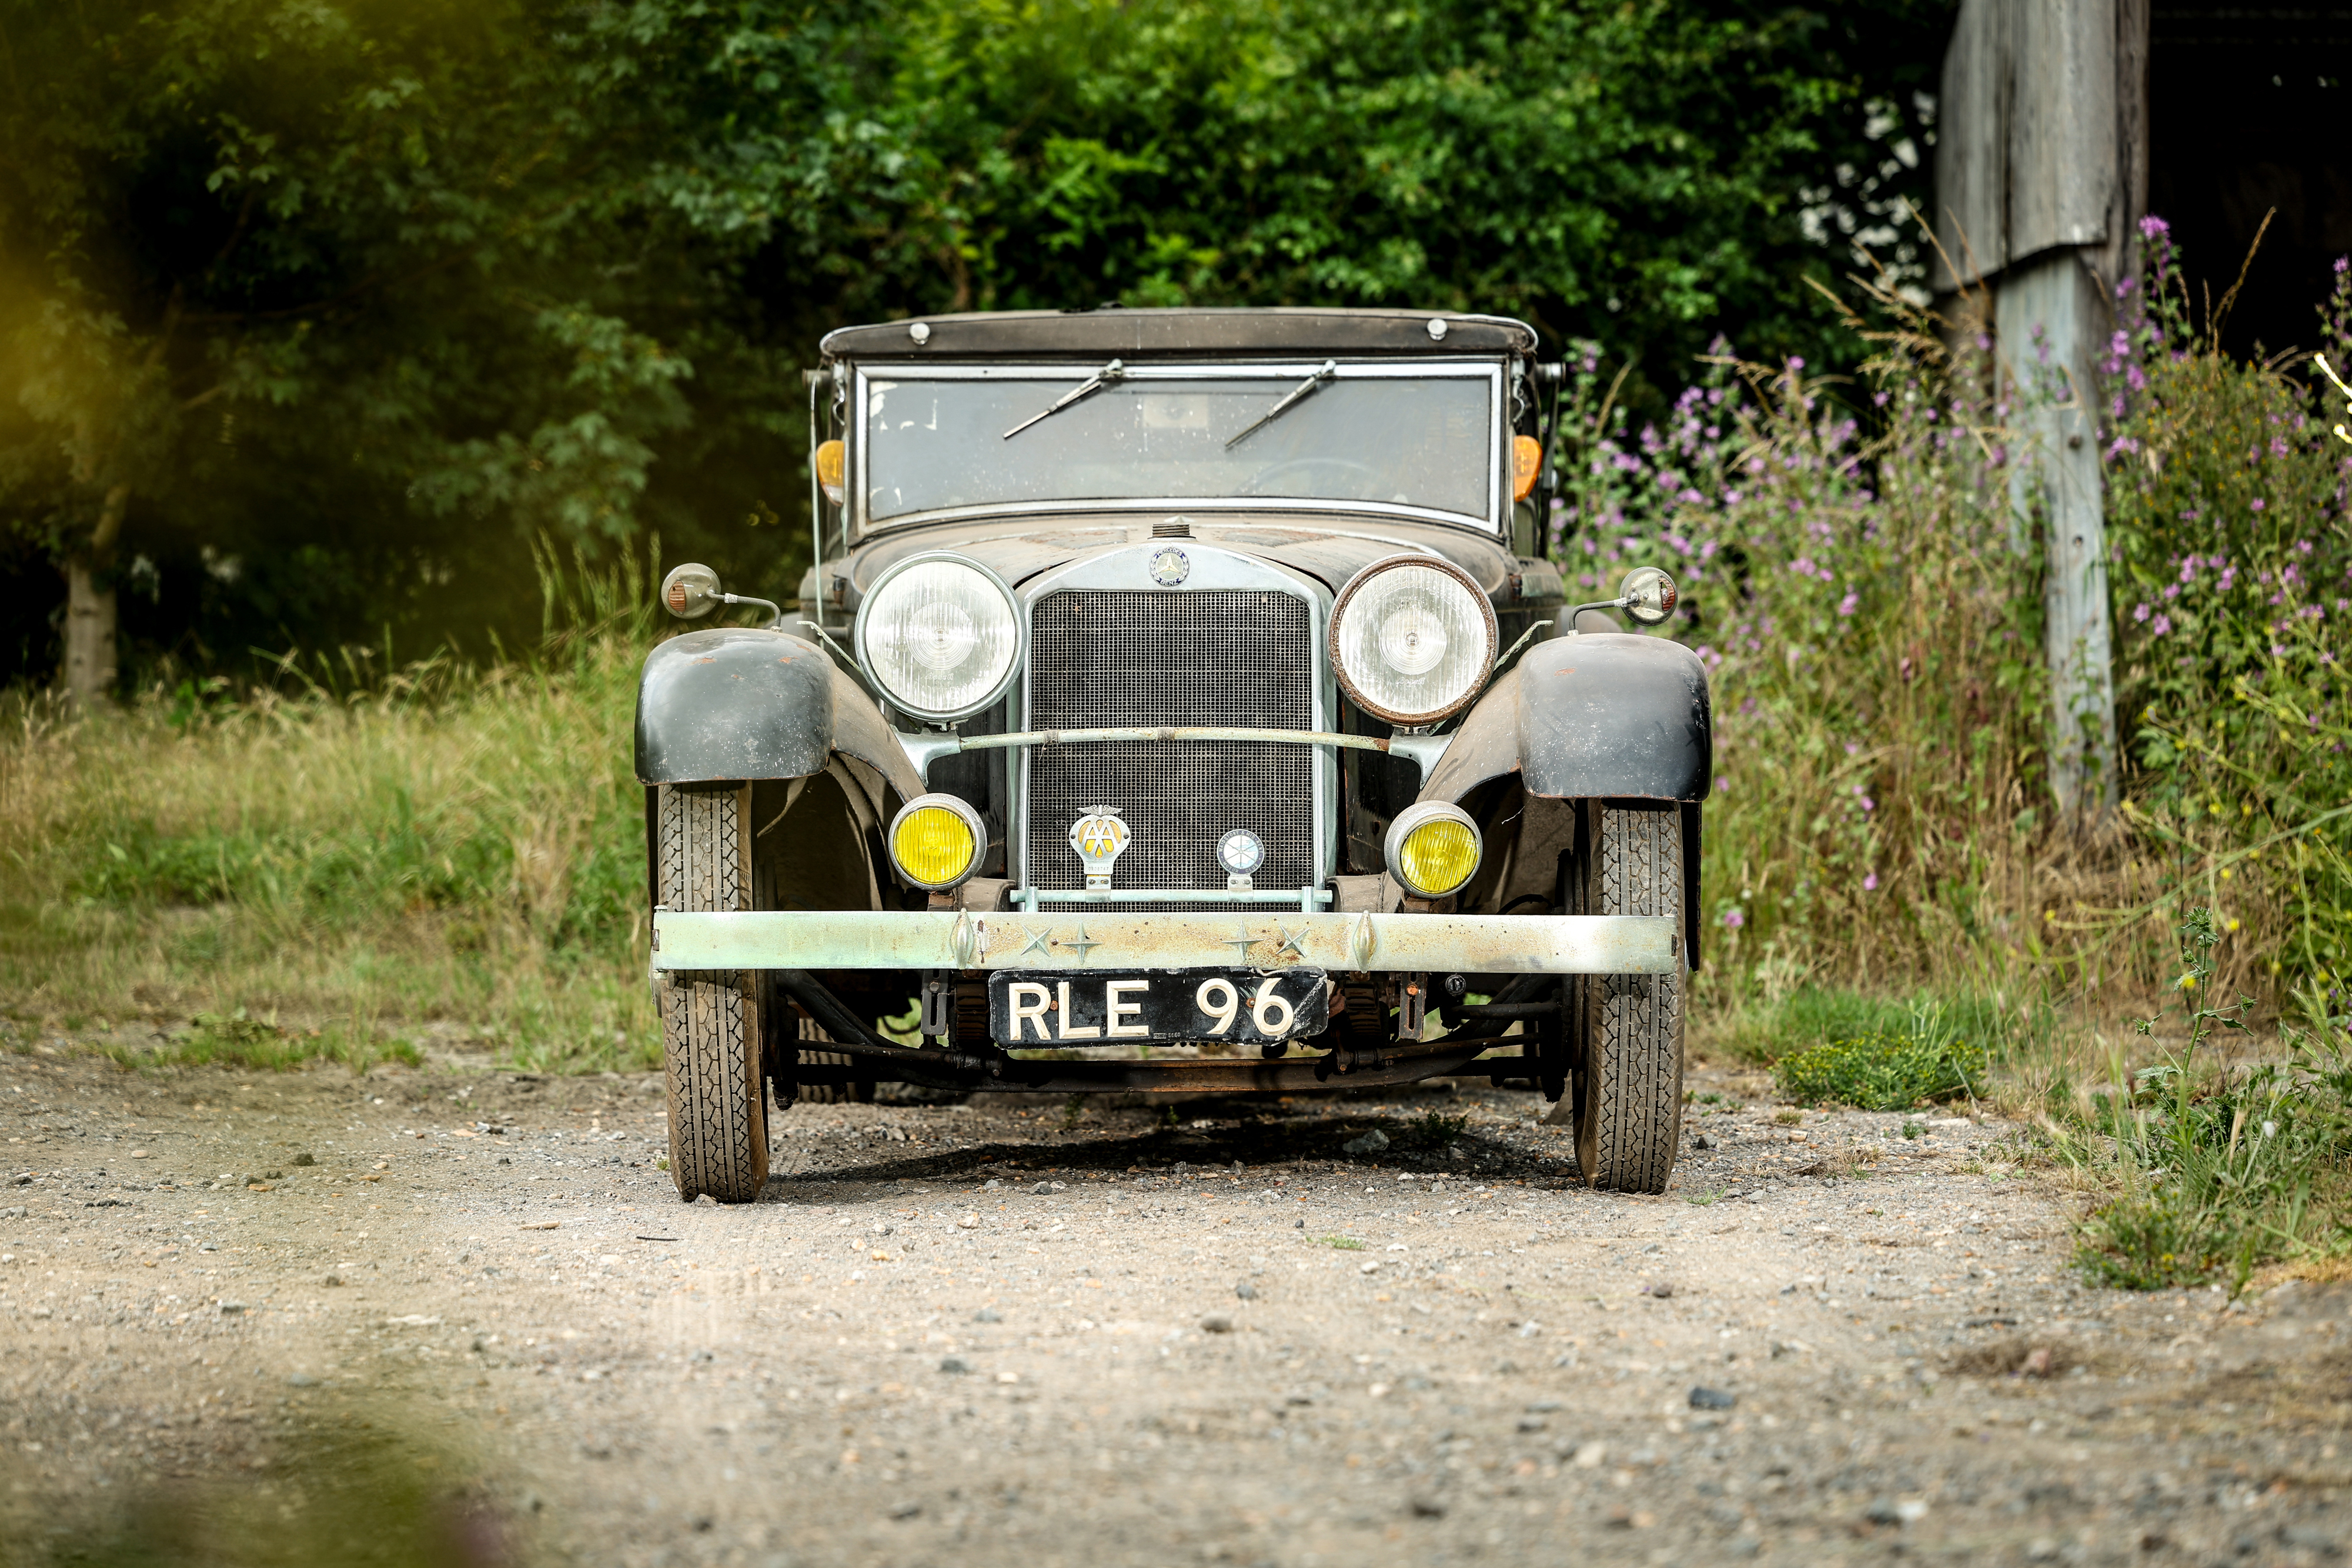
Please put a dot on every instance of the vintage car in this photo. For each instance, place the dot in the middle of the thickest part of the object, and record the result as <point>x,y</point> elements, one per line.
<point>1182,701</point>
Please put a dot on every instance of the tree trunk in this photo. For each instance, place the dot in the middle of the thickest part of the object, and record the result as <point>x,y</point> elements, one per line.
<point>87,675</point>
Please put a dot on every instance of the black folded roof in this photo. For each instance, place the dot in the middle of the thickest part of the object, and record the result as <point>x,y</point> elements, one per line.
<point>1112,332</point>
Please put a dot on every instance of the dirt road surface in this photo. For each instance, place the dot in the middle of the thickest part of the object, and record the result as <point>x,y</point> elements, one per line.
<point>1019,1332</point>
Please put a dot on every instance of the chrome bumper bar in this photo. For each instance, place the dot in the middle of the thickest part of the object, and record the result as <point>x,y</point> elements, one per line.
<point>1106,939</point>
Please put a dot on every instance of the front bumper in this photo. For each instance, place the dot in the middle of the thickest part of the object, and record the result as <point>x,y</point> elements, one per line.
<point>953,939</point>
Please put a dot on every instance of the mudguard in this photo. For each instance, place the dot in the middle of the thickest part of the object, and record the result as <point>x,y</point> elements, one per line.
<point>1599,715</point>
<point>740,703</point>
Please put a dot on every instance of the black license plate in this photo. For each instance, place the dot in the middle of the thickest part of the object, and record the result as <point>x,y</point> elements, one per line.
<point>1107,1008</point>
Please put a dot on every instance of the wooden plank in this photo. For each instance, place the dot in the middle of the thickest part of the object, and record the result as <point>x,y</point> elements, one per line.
<point>1971,150</point>
<point>2058,303</point>
<point>2062,124</point>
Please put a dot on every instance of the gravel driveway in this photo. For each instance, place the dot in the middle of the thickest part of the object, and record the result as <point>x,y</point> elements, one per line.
<point>1331,1330</point>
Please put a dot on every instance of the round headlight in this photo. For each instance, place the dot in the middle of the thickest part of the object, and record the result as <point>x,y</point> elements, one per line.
<point>935,841</point>
<point>1433,849</point>
<point>1412,639</point>
<point>941,635</point>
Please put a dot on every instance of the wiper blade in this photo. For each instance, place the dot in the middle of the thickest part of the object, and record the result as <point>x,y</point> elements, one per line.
<point>1321,379</point>
<point>1102,378</point>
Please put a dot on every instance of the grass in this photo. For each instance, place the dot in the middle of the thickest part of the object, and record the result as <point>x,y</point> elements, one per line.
<point>1889,1070</point>
<point>344,865</point>
<point>2214,1166</point>
<point>240,1040</point>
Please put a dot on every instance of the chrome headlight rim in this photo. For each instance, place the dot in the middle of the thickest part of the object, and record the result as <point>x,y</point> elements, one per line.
<point>1347,599</point>
<point>860,628</point>
<point>972,818</point>
<point>1421,815</point>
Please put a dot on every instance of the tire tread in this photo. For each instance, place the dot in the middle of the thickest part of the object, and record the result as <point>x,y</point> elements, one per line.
<point>710,1020</point>
<point>1631,1128</point>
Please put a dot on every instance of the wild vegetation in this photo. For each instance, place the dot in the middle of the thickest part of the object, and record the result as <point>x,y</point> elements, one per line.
<point>312,316</point>
<point>1895,915</point>
<point>1891,897</point>
<point>310,341</point>
<point>330,869</point>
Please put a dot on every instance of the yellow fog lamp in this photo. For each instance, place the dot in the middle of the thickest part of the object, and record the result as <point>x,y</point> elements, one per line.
<point>832,465</point>
<point>1433,849</point>
<point>935,841</point>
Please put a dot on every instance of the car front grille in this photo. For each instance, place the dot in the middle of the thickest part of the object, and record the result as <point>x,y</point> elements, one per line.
<point>1105,660</point>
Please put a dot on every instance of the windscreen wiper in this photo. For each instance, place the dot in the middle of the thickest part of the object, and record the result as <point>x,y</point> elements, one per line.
<point>1328,373</point>
<point>1102,378</point>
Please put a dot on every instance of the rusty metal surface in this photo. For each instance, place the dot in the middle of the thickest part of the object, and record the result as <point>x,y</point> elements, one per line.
<point>1018,548</point>
<point>1080,940</point>
<point>1288,1075</point>
<point>1485,745</point>
<point>1584,717</point>
<point>734,703</point>
<point>1615,714</point>
<point>1182,333</point>
<point>859,730</point>
<point>1164,733</point>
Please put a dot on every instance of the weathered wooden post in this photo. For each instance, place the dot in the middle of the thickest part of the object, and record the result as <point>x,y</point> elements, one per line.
<point>2040,177</point>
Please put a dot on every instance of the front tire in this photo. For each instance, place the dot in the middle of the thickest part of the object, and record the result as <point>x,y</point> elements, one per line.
<point>1629,1094</point>
<point>710,1020</point>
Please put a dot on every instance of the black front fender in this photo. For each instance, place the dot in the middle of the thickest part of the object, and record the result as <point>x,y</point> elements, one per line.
<point>740,703</point>
<point>733,702</point>
<point>1596,716</point>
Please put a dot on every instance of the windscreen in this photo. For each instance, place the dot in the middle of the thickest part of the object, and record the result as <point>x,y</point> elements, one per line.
<point>1415,441</point>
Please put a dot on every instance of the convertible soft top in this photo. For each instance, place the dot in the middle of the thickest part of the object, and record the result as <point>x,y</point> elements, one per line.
<point>1114,331</point>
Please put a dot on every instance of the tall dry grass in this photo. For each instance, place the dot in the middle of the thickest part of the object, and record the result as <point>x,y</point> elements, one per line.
<point>449,847</point>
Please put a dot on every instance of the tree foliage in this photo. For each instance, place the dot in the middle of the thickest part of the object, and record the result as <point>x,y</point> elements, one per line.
<point>328,307</point>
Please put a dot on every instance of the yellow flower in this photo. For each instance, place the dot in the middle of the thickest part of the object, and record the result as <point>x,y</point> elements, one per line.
<point>2225,873</point>
<point>2188,982</point>
<point>2229,926</point>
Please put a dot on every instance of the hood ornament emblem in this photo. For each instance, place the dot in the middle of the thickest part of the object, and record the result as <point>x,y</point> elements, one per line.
<point>1100,837</point>
<point>1168,566</point>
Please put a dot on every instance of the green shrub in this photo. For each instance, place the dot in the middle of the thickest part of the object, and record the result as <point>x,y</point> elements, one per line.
<point>2233,618</point>
<point>1885,1070</point>
<point>2217,1169</point>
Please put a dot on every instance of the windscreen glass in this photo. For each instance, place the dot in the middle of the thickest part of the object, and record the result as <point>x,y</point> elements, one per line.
<point>1416,441</point>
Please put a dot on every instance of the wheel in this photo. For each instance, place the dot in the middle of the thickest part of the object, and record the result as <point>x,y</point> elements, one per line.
<point>1629,1094</point>
<point>858,1093</point>
<point>710,1020</point>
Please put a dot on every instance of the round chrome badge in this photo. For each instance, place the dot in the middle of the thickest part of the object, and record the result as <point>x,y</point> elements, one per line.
<point>1170,566</point>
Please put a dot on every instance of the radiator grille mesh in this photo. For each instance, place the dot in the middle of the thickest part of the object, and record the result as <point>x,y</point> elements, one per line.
<point>1098,660</point>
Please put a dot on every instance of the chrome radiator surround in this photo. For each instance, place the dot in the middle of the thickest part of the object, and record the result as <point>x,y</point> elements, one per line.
<point>1109,648</point>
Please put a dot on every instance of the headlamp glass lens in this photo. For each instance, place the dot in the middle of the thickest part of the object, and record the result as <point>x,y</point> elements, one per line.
<point>939,637</point>
<point>1413,641</point>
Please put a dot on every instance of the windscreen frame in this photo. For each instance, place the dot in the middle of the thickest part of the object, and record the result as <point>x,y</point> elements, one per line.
<point>1066,374</point>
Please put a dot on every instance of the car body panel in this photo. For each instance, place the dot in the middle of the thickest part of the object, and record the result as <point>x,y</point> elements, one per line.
<point>744,702</point>
<point>1612,714</point>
